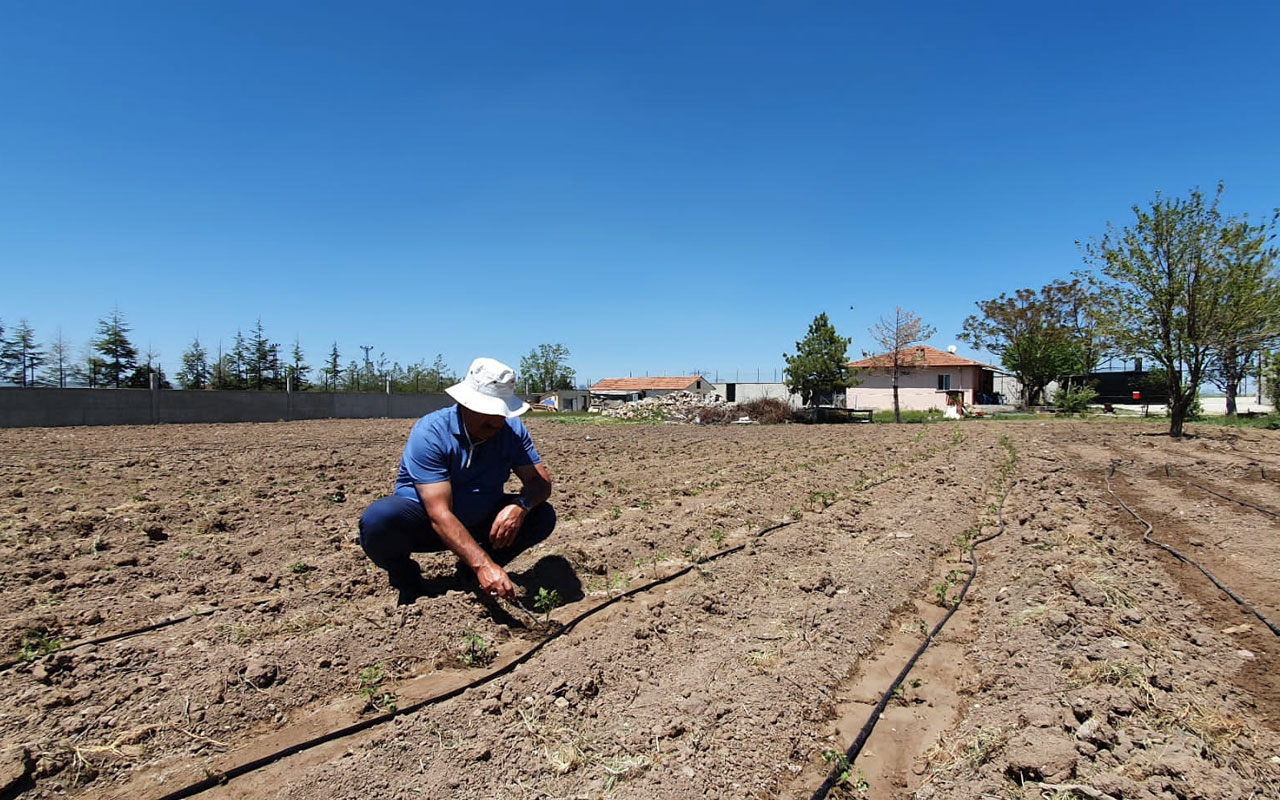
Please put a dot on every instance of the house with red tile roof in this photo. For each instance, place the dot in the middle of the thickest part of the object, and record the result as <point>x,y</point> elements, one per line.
<point>625,390</point>
<point>929,377</point>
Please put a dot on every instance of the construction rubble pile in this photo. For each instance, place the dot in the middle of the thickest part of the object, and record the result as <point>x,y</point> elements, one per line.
<point>673,407</point>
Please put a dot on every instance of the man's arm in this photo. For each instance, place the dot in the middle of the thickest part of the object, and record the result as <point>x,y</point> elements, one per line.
<point>437,499</point>
<point>535,487</point>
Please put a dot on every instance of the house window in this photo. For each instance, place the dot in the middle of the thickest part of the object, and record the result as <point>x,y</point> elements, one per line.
<point>944,382</point>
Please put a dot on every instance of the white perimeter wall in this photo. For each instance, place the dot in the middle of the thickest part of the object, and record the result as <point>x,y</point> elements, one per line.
<point>746,392</point>
<point>917,390</point>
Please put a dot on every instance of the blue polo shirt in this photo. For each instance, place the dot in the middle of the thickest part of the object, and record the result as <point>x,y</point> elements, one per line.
<point>437,451</point>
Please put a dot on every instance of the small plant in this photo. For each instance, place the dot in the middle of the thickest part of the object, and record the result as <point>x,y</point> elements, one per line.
<point>615,512</point>
<point>475,651</point>
<point>97,545</point>
<point>692,553</point>
<point>547,600</point>
<point>846,774</point>
<point>942,590</point>
<point>299,568</point>
<point>957,435</point>
<point>186,554</point>
<point>376,696</point>
<point>794,512</point>
<point>337,496</point>
<point>37,643</point>
<point>717,538</point>
<point>822,499</point>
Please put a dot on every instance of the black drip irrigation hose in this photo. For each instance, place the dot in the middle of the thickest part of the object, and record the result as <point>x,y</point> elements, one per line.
<point>217,779</point>
<point>1169,474</point>
<point>1146,537</point>
<point>4,665</point>
<point>833,777</point>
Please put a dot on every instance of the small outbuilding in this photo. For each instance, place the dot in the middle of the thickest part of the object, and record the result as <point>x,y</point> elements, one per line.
<point>930,378</point>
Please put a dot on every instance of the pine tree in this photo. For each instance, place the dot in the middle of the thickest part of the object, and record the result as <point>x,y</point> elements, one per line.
<point>333,369</point>
<point>20,355</point>
<point>119,356</point>
<point>59,368</point>
<point>298,370</point>
<point>195,373</point>
<point>819,367</point>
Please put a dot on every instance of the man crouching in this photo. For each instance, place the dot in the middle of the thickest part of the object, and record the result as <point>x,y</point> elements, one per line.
<point>449,492</point>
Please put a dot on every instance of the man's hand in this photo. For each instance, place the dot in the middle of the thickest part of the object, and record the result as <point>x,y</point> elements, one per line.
<point>506,525</point>
<point>494,581</point>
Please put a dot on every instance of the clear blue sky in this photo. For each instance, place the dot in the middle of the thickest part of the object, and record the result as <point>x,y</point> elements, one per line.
<point>659,186</point>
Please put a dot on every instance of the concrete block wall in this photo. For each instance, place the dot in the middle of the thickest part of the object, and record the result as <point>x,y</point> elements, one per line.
<point>29,408</point>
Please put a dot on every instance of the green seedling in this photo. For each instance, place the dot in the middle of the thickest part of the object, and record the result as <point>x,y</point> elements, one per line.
<point>822,499</point>
<point>37,643</point>
<point>717,538</point>
<point>942,590</point>
<point>692,553</point>
<point>475,651</point>
<point>299,568</point>
<point>375,695</point>
<point>547,600</point>
<point>795,513</point>
<point>186,554</point>
<point>846,774</point>
<point>615,512</point>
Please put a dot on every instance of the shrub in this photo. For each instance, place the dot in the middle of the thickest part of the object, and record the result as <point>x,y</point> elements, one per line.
<point>712,415</point>
<point>766,410</point>
<point>1074,399</point>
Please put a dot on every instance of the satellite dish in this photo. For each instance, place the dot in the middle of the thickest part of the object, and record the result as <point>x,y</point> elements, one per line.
<point>951,348</point>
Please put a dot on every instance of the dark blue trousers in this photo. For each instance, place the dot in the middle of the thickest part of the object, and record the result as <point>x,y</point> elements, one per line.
<point>394,526</point>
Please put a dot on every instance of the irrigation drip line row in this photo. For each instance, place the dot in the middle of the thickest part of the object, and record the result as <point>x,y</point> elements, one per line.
<point>1169,474</point>
<point>112,637</point>
<point>349,730</point>
<point>833,777</point>
<point>1146,537</point>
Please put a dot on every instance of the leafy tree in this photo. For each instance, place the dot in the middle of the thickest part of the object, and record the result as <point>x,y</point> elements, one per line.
<point>1271,379</point>
<point>119,356</point>
<point>820,367</point>
<point>1250,303</point>
<point>895,337</point>
<point>440,373</point>
<point>354,374</point>
<point>60,368</point>
<point>20,355</point>
<point>546,369</point>
<point>1040,335</point>
<point>195,372</point>
<point>1164,280</point>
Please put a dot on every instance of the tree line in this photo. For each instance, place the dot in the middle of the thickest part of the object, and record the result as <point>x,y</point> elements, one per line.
<point>252,362</point>
<point>1191,289</point>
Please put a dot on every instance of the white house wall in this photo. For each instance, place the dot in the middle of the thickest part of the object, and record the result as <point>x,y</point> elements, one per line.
<point>917,390</point>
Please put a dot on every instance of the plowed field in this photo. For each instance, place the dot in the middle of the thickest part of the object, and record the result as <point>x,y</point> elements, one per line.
<point>735,601</point>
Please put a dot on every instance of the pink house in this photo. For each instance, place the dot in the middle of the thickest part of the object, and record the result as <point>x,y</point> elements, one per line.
<point>928,376</point>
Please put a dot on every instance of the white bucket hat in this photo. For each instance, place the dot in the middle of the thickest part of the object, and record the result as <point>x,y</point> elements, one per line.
<point>489,388</point>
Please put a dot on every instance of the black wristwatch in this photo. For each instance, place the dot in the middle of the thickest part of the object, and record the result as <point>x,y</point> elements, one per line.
<point>523,502</point>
